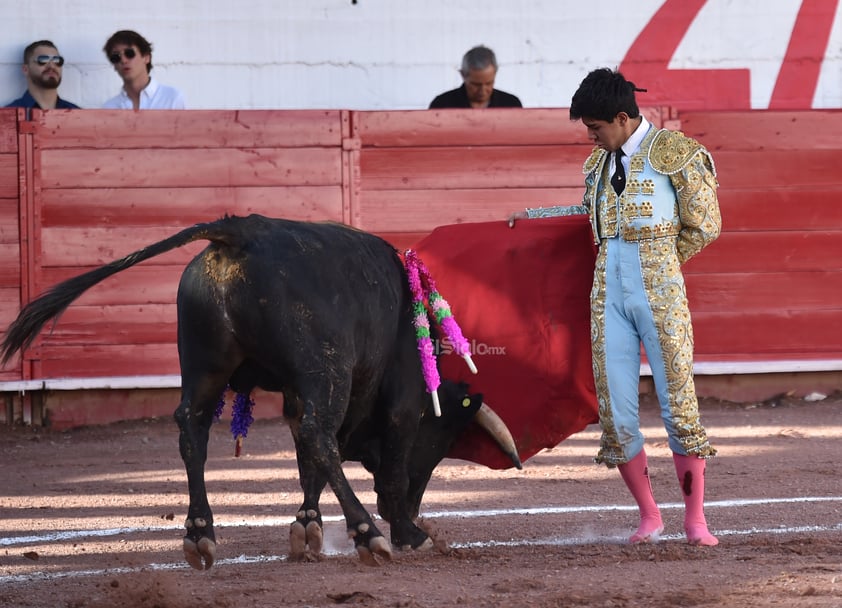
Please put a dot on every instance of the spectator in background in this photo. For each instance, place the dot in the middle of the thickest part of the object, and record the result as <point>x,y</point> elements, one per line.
<point>42,66</point>
<point>479,69</point>
<point>131,55</point>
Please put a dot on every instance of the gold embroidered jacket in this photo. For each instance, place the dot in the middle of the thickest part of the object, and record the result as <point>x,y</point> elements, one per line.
<point>670,192</point>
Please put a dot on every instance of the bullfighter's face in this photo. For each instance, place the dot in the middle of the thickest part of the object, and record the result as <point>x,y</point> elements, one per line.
<point>610,135</point>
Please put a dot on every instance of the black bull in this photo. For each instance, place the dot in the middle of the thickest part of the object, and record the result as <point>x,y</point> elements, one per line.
<point>321,313</point>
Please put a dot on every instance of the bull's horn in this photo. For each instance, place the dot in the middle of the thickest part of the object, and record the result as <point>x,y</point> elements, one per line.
<point>494,426</point>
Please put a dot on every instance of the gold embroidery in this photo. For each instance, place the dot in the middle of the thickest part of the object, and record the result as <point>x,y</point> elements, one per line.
<point>645,187</point>
<point>609,223</point>
<point>592,162</point>
<point>607,208</point>
<point>633,211</point>
<point>671,151</point>
<point>698,207</point>
<point>647,233</point>
<point>632,187</point>
<point>611,450</point>
<point>667,296</point>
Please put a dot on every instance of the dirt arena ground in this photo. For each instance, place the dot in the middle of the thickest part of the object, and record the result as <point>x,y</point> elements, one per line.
<point>92,518</point>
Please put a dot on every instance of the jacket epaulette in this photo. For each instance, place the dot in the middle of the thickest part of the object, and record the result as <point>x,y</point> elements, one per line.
<point>671,151</point>
<point>593,161</point>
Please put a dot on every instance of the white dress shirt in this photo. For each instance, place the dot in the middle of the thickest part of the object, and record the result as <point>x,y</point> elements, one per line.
<point>155,96</point>
<point>631,146</point>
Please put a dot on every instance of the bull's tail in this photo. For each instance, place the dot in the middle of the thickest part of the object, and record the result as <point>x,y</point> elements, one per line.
<point>53,303</point>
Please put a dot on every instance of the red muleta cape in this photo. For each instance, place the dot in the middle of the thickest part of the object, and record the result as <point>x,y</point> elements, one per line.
<point>521,297</point>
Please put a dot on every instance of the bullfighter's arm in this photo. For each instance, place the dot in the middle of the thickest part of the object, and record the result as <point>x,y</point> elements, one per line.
<point>555,211</point>
<point>698,205</point>
<point>692,172</point>
<point>539,212</point>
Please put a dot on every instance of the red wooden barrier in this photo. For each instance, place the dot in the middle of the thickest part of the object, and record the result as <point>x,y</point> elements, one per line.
<point>422,169</point>
<point>80,188</point>
<point>111,182</point>
<point>12,185</point>
<point>771,286</point>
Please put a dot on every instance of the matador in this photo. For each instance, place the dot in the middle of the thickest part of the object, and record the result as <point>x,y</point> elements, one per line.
<point>651,197</point>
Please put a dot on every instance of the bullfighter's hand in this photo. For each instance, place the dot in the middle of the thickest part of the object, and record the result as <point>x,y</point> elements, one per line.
<point>518,215</point>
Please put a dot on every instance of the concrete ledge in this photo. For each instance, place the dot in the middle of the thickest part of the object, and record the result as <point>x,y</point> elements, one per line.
<point>712,368</point>
<point>725,368</point>
<point>76,384</point>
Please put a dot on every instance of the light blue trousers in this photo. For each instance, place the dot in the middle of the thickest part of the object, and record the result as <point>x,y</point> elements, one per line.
<point>639,297</point>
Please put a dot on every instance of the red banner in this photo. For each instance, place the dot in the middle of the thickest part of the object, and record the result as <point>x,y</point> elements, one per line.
<point>521,297</point>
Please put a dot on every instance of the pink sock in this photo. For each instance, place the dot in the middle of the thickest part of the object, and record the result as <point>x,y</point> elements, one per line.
<point>691,477</point>
<point>636,475</point>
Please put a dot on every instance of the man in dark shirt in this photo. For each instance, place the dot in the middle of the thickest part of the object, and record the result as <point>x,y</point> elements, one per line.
<point>479,68</point>
<point>42,66</point>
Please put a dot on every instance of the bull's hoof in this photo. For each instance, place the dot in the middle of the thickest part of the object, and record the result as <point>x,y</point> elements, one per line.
<point>200,555</point>
<point>297,542</point>
<point>302,538</point>
<point>424,546</point>
<point>376,552</point>
<point>407,536</point>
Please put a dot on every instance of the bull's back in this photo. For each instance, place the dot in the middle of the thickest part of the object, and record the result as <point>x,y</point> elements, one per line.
<point>299,294</point>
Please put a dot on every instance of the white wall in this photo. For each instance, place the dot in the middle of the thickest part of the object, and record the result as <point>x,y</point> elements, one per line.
<point>387,54</point>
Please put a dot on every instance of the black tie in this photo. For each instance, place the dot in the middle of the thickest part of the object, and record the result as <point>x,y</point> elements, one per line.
<point>618,180</point>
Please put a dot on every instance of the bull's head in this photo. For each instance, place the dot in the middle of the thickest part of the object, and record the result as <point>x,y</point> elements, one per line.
<point>437,435</point>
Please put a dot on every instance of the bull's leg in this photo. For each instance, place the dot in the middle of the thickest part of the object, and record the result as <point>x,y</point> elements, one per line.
<point>320,462</point>
<point>306,534</point>
<point>194,416</point>
<point>208,353</point>
<point>392,486</point>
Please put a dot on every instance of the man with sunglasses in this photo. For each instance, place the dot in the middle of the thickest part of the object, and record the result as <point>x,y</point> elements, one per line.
<point>42,66</point>
<point>131,55</point>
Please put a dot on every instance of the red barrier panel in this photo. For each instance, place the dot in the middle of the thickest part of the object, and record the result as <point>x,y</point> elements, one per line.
<point>81,188</point>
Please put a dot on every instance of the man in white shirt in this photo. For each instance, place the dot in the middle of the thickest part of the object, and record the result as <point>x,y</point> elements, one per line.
<point>131,55</point>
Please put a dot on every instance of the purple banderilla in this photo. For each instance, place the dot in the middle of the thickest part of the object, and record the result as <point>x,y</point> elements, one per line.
<point>241,417</point>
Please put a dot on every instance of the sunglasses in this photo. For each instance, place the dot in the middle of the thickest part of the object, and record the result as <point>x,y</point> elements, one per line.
<point>128,53</point>
<point>45,59</point>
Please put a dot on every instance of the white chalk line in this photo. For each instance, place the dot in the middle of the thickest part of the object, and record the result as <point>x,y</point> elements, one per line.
<point>65,535</point>
<point>34,577</point>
